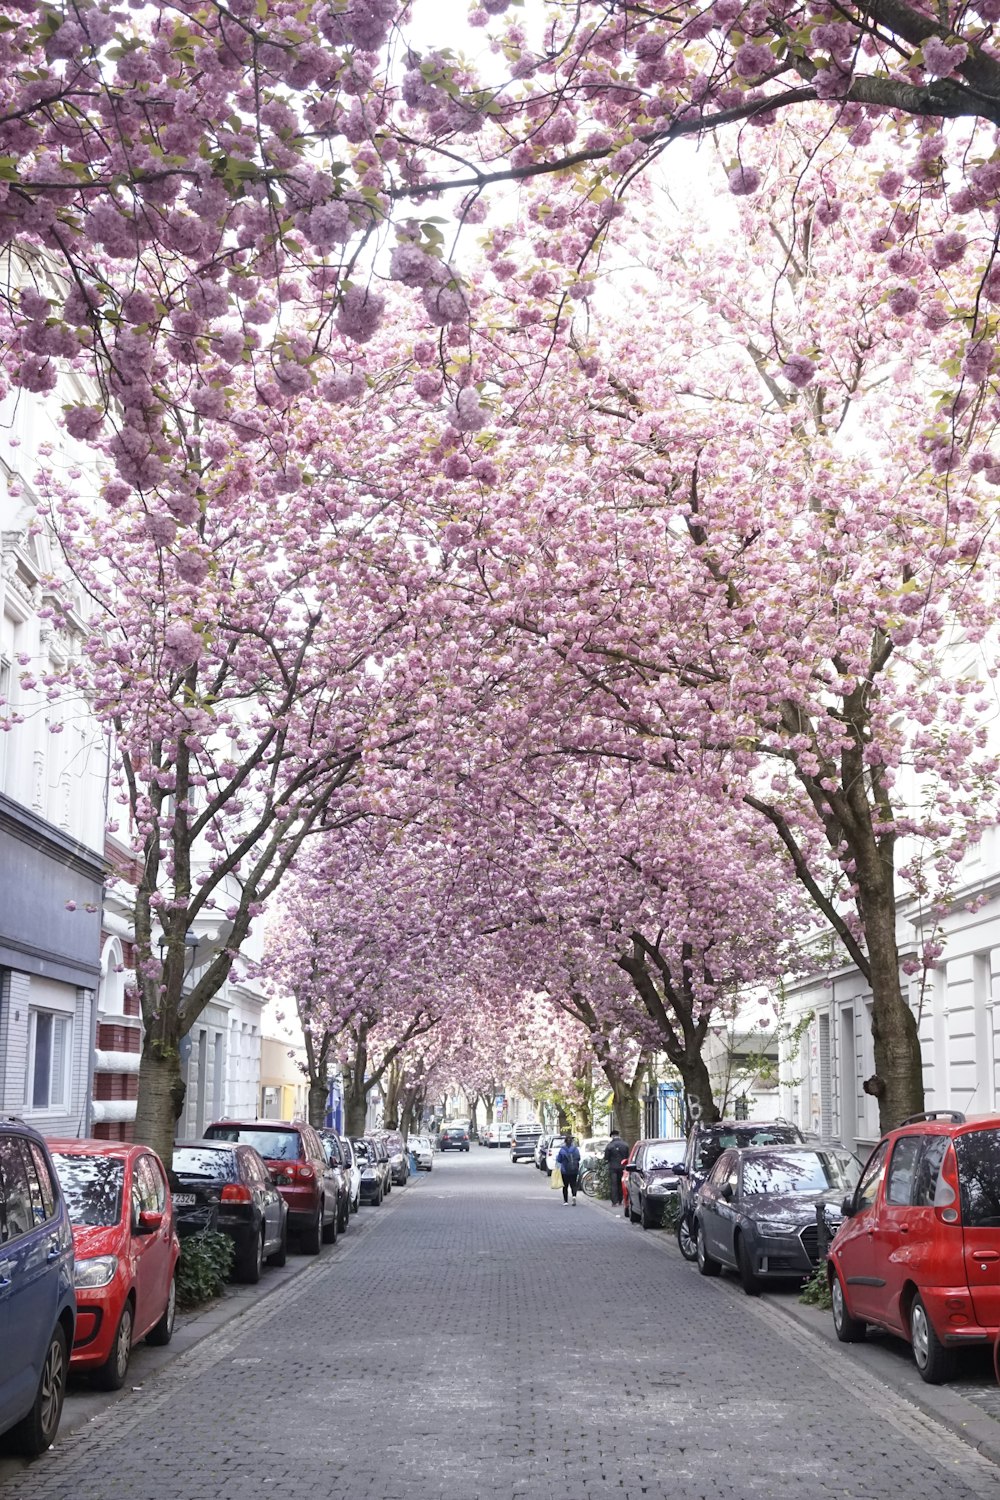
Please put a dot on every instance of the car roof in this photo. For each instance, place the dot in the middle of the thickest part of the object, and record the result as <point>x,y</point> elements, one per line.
<point>787,1148</point>
<point>82,1146</point>
<point>212,1145</point>
<point>261,1124</point>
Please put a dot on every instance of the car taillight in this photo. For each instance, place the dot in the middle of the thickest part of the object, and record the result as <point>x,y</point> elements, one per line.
<point>306,1172</point>
<point>234,1192</point>
<point>946,1193</point>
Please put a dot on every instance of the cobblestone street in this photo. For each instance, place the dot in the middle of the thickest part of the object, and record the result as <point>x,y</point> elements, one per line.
<point>478,1340</point>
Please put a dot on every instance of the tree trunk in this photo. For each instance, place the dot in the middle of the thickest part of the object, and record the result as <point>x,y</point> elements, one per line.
<point>699,1097</point>
<point>898,1083</point>
<point>628,1112</point>
<point>161,1092</point>
<point>318,1095</point>
<point>356,1112</point>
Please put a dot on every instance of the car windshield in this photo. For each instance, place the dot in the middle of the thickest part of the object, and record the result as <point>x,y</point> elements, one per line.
<point>279,1145</point>
<point>663,1156</point>
<point>92,1187</point>
<point>202,1161</point>
<point>799,1172</point>
<point>361,1151</point>
<point>711,1147</point>
<point>979,1174</point>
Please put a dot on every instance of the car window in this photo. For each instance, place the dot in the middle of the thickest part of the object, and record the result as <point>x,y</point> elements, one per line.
<point>979,1175</point>
<point>152,1191</point>
<point>92,1187</point>
<point>871,1177</point>
<point>721,1169</point>
<point>202,1161</point>
<point>928,1167</point>
<point>45,1183</point>
<point>797,1172</point>
<point>279,1145</point>
<point>15,1190</point>
<point>660,1156</point>
<point>902,1164</point>
<point>41,1205</point>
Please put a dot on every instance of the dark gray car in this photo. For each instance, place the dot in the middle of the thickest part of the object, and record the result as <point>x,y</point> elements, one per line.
<point>756,1211</point>
<point>705,1145</point>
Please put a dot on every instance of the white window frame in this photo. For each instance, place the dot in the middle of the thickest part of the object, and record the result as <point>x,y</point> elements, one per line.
<point>58,1100</point>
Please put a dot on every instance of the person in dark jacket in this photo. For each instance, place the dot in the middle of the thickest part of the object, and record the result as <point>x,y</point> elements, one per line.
<point>616,1155</point>
<point>568,1162</point>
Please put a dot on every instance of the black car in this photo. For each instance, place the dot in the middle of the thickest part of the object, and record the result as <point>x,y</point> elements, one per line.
<point>372,1172</point>
<point>705,1145</point>
<point>453,1138</point>
<point>652,1179</point>
<point>337,1156</point>
<point>756,1210</point>
<point>226,1186</point>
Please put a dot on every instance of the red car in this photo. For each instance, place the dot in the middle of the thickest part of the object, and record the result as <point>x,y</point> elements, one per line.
<point>126,1251</point>
<point>918,1252</point>
<point>293,1152</point>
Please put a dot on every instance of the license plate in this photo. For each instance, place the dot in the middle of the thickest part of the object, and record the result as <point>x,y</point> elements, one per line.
<point>184,1200</point>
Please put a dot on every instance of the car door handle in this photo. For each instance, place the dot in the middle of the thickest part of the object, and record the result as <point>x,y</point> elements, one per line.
<point>984,1254</point>
<point>54,1251</point>
<point>904,1228</point>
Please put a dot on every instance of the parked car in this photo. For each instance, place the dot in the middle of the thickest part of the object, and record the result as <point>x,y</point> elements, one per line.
<point>229,1188</point>
<point>421,1147</point>
<point>296,1160</point>
<point>381,1155</point>
<point>756,1211</point>
<point>399,1164</point>
<point>37,1296</point>
<point>126,1252</point>
<point>453,1138</point>
<point>353,1170</point>
<point>541,1147</point>
<point>523,1140</point>
<point>918,1252</point>
<point>499,1135</point>
<point>651,1177</point>
<point>372,1170</point>
<point>336,1157</point>
<point>552,1151</point>
<point>705,1144</point>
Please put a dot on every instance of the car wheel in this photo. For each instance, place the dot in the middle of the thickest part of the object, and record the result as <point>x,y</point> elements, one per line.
<point>686,1239</point>
<point>849,1330</point>
<point>706,1265</point>
<point>279,1257</point>
<point>250,1262</point>
<point>749,1280</point>
<point>330,1226</point>
<point>35,1432</point>
<point>163,1331</point>
<point>111,1375</point>
<point>357,1202</point>
<point>311,1239</point>
<point>647,1220</point>
<point>935,1363</point>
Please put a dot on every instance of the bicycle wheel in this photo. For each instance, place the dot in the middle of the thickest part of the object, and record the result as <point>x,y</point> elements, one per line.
<point>588,1183</point>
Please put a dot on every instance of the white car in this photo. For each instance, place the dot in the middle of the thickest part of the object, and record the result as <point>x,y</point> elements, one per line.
<point>424,1153</point>
<point>353,1174</point>
<point>499,1135</point>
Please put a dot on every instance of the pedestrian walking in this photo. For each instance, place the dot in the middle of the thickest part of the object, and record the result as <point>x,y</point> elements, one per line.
<point>616,1155</point>
<point>568,1162</point>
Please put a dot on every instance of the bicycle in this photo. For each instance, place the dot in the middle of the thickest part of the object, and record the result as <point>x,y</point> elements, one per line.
<point>594,1182</point>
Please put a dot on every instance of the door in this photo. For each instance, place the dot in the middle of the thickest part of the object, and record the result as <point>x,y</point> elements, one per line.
<point>893,1244</point>
<point>711,1204</point>
<point>152,1251</point>
<point>30,1252</point>
<point>855,1259</point>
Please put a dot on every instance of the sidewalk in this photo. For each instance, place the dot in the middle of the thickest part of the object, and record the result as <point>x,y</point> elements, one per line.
<point>969,1405</point>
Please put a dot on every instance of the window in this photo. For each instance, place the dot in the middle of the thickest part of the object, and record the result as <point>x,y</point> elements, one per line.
<point>979,1173</point>
<point>49,1039</point>
<point>15,1191</point>
<point>928,1168</point>
<point>871,1178</point>
<point>152,1190</point>
<point>898,1188</point>
<point>46,1186</point>
<point>92,1187</point>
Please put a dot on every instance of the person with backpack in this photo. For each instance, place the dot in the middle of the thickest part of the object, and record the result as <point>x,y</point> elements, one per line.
<point>568,1162</point>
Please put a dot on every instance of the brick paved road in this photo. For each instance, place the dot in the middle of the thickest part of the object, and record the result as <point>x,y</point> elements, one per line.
<point>464,1346</point>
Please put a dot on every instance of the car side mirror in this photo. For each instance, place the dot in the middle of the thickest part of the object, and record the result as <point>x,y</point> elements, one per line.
<point>847,1206</point>
<point>727,1192</point>
<point>148,1222</point>
<point>681,1169</point>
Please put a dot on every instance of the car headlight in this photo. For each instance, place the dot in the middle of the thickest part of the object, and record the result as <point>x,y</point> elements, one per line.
<point>662,1187</point>
<point>96,1272</point>
<point>769,1226</point>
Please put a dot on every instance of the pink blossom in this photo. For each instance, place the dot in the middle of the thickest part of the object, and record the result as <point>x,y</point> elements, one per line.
<point>799,370</point>
<point>360,313</point>
<point>941,59</point>
<point>744,181</point>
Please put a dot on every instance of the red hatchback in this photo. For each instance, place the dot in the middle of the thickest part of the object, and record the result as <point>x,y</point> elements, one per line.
<point>919,1250</point>
<point>302,1173</point>
<point>126,1251</point>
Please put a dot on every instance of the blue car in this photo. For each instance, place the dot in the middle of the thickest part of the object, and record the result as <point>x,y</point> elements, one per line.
<point>37,1299</point>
